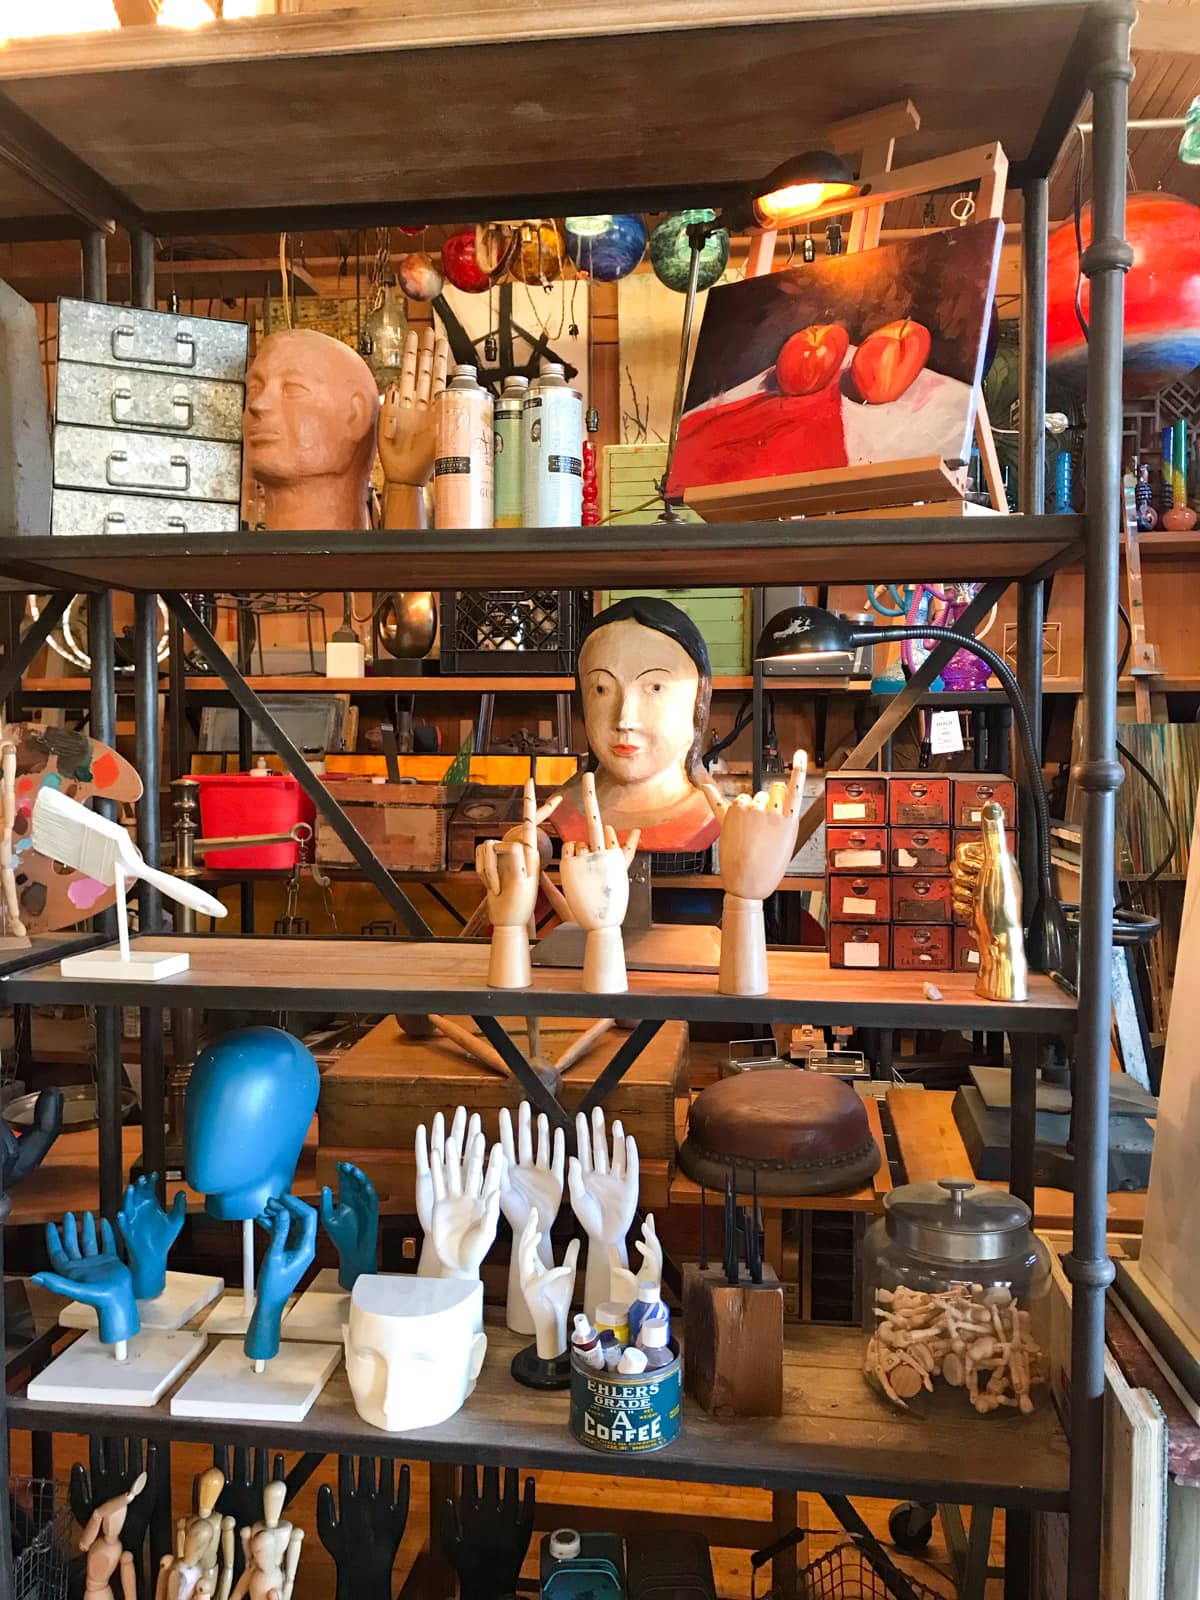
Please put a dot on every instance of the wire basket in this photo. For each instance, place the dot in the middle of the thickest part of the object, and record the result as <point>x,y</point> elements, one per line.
<point>44,1535</point>
<point>511,631</point>
<point>844,1573</point>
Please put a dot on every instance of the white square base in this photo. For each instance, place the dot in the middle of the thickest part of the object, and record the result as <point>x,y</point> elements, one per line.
<point>227,1386</point>
<point>229,1316</point>
<point>87,1373</point>
<point>321,1312</point>
<point>185,1294</point>
<point>142,964</point>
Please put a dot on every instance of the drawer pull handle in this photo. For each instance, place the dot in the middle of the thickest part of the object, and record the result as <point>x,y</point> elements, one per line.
<point>123,411</point>
<point>178,524</point>
<point>181,473</point>
<point>113,517</point>
<point>124,349</point>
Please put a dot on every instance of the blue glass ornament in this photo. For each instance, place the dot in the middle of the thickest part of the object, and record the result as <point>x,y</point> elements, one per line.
<point>606,247</point>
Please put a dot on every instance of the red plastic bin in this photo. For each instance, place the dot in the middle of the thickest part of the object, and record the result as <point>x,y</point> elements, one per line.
<point>239,802</point>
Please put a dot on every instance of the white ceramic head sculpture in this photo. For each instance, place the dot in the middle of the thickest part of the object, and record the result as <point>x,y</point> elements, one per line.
<point>413,1348</point>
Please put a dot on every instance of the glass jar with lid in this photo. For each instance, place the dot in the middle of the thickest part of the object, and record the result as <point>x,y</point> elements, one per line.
<point>956,1300</point>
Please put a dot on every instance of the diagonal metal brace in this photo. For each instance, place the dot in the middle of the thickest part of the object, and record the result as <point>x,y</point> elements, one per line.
<point>248,702</point>
<point>620,1064</point>
<point>522,1070</point>
<point>18,663</point>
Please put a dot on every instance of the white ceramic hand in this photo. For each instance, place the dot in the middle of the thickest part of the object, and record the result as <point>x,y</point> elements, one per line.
<point>462,1133</point>
<point>595,881</point>
<point>532,1182</point>
<point>758,839</point>
<point>623,1283</point>
<point>466,1208</point>
<point>604,1198</point>
<point>548,1290</point>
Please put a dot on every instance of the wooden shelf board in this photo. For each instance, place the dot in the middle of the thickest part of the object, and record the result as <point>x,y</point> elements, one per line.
<point>367,75</point>
<point>875,486</point>
<point>657,554</point>
<point>376,977</point>
<point>836,1435</point>
<point>931,1148</point>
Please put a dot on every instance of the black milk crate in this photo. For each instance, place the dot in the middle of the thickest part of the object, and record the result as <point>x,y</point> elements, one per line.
<point>513,632</point>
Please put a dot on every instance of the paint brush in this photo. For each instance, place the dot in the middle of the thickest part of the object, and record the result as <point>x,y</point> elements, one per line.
<point>65,831</point>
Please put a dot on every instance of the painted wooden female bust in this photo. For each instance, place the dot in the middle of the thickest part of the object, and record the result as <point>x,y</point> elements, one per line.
<point>646,684</point>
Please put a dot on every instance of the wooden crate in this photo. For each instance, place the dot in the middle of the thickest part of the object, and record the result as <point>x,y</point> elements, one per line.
<point>404,823</point>
<point>630,475</point>
<point>382,1088</point>
<point>722,616</point>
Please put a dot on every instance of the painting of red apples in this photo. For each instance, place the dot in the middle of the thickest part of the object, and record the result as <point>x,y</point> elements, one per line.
<point>850,361</point>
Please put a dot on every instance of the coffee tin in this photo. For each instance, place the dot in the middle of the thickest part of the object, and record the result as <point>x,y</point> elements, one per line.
<point>552,452</point>
<point>621,1416</point>
<point>462,469</point>
<point>508,452</point>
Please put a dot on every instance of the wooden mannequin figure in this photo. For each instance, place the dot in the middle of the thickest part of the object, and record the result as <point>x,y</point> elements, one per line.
<point>758,839</point>
<point>202,1565</point>
<point>100,1542</point>
<point>310,426</point>
<point>272,1551</point>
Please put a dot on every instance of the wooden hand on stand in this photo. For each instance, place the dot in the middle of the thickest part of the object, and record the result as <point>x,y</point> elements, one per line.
<point>406,429</point>
<point>595,880</point>
<point>758,839</point>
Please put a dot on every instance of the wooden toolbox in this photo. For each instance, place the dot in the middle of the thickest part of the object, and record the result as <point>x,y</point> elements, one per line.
<point>405,824</point>
<point>378,1093</point>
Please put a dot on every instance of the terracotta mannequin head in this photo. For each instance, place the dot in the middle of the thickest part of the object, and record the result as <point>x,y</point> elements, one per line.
<point>646,684</point>
<point>312,414</point>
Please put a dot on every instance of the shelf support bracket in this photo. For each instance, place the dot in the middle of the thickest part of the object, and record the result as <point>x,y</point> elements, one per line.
<point>245,699</point>
<point>32,640</point>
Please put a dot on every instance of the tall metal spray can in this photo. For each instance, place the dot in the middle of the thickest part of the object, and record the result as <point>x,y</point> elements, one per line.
<point>462,481</point>
<point>552,452</point>
<point>508,465</point>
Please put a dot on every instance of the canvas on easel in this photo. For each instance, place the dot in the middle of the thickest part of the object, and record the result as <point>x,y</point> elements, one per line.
<point>847,362</point>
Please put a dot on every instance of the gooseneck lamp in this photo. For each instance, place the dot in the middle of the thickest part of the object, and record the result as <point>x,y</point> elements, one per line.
<point>785,197</point>
<point>812,637</point>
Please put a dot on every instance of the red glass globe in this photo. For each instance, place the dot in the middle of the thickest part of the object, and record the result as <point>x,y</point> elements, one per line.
<point>1162,297</point>
<point>461,265</point>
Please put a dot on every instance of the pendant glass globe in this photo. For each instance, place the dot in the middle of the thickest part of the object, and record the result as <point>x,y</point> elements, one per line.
<point>384,334</point>
<point>671,251</point>
<point>606,247</point>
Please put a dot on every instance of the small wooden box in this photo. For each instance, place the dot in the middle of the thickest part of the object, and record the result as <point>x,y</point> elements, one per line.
<point>921,900</point>
<point>733,1349</point>
<point>378,1093</point>
<point>862,851</point>
<point>860,944</point>
<point>855,899</point>
<point>966,950</point>
<point>921,949</point>
<point>856,797</point>
<point>920,850</point>
<point>404,823</point>
<point>918,801</point>
<point>972,793</point>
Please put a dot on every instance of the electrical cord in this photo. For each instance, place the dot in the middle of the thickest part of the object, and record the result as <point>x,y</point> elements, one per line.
<point>740,722</point>
<point>1151,780</point>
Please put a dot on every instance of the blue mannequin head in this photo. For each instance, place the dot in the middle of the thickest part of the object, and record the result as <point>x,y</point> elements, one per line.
<point>249,1104</point>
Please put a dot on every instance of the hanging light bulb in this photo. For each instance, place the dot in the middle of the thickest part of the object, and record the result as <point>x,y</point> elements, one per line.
<point>384,334</point>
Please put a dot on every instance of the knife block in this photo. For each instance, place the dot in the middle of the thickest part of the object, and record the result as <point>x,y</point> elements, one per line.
<point>733,1343</point>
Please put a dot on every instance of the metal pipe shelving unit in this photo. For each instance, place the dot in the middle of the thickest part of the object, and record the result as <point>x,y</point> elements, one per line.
<point>1086,48</point>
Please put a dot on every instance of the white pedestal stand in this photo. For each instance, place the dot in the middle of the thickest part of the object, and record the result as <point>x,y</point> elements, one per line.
<point>321,1312</point>
<point>88,1372</point>
<point>186,1294</point>
<point>226,1385</point>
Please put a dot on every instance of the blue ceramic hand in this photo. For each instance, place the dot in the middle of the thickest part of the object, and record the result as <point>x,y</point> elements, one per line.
<point>280,1272</point>
<point>20,1154</point>
<point>353,1223</point>
<point>93,1273</point>
<point>149,1232</point>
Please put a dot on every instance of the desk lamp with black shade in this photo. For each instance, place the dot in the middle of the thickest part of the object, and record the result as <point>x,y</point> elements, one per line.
<point>785,197</point>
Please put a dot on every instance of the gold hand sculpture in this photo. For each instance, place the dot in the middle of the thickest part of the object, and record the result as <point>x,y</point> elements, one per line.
<point>987,890</point>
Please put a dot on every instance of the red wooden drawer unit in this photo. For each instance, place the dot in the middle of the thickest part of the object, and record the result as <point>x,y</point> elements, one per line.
<point>917,801</point>
<point>921,850</point>
<point>854,898</point>
<point>860,944</point>
<point>972,792</point>
<point>856,797</point>
<point>857,850</point>
<point>921,948</point>
<point>921,900</point>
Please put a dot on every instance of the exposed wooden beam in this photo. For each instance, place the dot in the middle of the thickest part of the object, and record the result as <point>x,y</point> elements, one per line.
<point>872,128</point>
<point>30,150</point>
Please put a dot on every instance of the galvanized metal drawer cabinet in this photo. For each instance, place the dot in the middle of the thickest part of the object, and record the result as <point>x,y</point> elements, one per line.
<point>148,421</point>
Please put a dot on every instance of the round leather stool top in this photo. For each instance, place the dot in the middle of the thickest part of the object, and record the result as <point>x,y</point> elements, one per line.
<point>801,1132</point>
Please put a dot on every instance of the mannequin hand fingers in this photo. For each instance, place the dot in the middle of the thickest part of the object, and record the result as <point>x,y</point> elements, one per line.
<point>524,1134</point>
<point>422,1151</point>
<point>558,1155</point>
<point>437,1173</point>
<point>424,383</point>
<point>575,1186</point>
<point>59,1259</point>
<point>632,1166</point>
<point>571,1258</point>
<point>497,1171</point>
<point>795,789</point>
<point>717,802</point>
<point>178,1212</point>
<point>473,1177</point>
<point>474,1131</point>
<point>776,796</point>
<point>441,360</point>
<point>759,801</point>
<point>345,1473</point>
<point>108,1243</point>
<point>458,1126</point>
<point>583,1143</point>
<point>529,803</point>
<point>544,813</point>
<point>327,1525</point>
<point>629,850</point>
<point>506,1135</point>
<point>610,837</point>
<point>599,1144</point>
<point>90,1247</point>
<point>591,810</point>
<point>70,1237</point>
<point>326,1204</point>
<point>68,1288</point>
<point>408,368</point>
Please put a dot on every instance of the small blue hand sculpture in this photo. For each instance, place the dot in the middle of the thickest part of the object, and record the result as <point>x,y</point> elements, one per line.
<point>280,1272</point>
<point>353,1223</point>
<point>149,1232</point>
<point>92,1273</point>
<point>20,1154</point>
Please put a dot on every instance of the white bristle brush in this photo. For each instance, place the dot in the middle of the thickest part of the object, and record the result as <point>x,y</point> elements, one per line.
<point>68,832</point>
